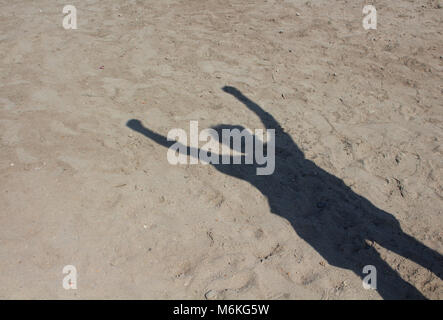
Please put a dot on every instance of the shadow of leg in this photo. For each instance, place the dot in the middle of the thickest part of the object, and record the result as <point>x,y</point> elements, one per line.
<point>410,248</point>
<point>390,285</point>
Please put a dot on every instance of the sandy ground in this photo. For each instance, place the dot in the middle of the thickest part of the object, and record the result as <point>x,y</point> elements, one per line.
<point>358,176</point>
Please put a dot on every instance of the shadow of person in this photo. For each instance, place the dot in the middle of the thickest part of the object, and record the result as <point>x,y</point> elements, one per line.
<point>338,223</point>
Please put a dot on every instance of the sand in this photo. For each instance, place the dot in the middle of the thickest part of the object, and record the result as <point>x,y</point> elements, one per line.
<point>358,177</point>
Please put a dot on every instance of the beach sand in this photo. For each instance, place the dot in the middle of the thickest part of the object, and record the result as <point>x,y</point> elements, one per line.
<point>362,110</point>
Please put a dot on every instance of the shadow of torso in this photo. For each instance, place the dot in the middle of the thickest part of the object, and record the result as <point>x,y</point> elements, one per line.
<point>337,222</point>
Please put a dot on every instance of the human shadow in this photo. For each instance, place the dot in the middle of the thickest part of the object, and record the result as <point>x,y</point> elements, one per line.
<point>339,224</point>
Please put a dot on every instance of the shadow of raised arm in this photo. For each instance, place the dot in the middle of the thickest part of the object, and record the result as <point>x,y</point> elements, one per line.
<point>266,118</point>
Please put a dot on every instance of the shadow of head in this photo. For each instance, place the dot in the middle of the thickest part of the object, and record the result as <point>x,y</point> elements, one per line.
<point>234,136</point>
